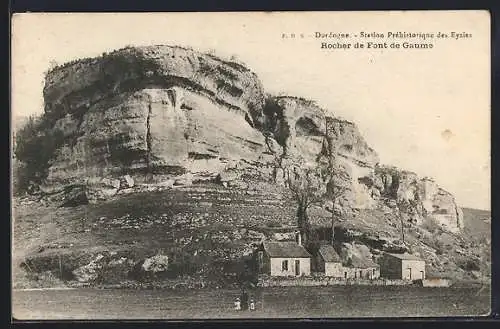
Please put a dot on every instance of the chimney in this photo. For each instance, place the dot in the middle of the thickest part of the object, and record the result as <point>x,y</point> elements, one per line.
<point>299,238</point>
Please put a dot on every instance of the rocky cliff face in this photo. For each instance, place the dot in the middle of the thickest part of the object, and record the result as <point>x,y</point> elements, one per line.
<point>304,130</point>
<point>419,197</point>
<point>163,113</point>
<point>157,110</point>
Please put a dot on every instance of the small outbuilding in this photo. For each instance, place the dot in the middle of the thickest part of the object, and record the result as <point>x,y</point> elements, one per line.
<point>283,259</point>
<point>402,266</point>
<point>329,262</point>
<point>360,268</point>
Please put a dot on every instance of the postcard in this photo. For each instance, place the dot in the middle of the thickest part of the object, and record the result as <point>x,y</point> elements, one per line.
<point>250,165</point>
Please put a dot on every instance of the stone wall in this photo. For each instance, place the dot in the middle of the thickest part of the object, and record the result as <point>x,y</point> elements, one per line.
<point>320,280</point>
<point>434,282</point>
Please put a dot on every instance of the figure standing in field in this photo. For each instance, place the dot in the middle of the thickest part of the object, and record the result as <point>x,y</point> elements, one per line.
<point>237,305</point>
<point>244,299</point>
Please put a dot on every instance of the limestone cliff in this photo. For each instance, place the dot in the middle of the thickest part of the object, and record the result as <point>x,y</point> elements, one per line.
<point>160,110</point>
<point>305,130</point>
<point>420,197</point>
<point>162,113</point>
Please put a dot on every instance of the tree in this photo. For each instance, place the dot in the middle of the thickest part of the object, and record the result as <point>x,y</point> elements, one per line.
<point>308,187</point>
<point>35,147</point>
<point>337,191</point>
<point>337,185</point>
<point>402,227</point>
<point>404,205</point>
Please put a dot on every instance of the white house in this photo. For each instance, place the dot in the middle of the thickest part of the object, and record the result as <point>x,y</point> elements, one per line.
<point>283,259</point>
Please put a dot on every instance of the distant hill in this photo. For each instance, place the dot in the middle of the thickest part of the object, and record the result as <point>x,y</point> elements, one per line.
<point>477,223</point>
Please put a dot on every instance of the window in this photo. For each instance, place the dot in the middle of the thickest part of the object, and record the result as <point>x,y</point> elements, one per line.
<point>345,275</point>
<point>360,274</point>
<point>373,271</point>
<point>284,265</point>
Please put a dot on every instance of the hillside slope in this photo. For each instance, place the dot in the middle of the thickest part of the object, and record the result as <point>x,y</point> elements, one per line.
<point>207,231</point>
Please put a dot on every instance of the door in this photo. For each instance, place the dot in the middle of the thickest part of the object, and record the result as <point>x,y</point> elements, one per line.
<point>297,267</point>
<point>408,274</point>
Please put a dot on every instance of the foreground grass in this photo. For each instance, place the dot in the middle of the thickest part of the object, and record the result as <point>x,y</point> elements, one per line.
<point>289,302</point>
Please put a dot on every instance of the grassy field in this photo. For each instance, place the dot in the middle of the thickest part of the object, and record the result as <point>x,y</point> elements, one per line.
<point>290,302</point>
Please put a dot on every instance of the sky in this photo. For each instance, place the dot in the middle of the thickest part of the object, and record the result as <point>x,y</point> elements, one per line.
<point>424,110</point>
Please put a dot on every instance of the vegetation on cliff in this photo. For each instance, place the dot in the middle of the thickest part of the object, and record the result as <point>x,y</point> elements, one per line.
<point>35,146</point>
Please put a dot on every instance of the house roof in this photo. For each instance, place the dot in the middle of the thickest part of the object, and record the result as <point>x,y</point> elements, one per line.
<point>405,256</point>
<point>358,262</point>
<point>329,254</point>
<point>285,249</point>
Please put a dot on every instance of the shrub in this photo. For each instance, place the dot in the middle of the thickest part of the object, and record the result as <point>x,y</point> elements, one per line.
<point>21,181</point>
<point>434,242</point>
<point>35,147</point>
<point>431,225</point>
<point>438,245</point>
<point>272,223</point>
<point>348,262</point>
<point>470,264</point>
